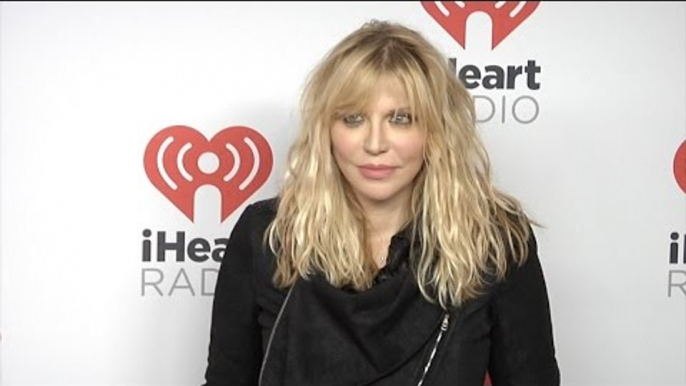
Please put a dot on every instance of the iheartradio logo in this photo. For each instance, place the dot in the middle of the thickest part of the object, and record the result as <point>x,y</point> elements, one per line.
<point>505,16</point>
<point>179,159</point>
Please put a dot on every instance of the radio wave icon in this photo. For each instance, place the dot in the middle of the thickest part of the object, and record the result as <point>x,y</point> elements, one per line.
<point>179,159</point>
<point>505,16</point>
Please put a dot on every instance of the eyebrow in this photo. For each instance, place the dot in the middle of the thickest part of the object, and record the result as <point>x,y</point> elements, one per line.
<point>343,112</point>
<point>405,109</point>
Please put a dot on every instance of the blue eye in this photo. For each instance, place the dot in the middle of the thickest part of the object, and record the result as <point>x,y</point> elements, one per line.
<point>353,120</point>
<point>401,118</point>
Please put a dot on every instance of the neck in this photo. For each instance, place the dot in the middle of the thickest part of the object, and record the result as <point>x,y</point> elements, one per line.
<point>383,221</point>
<point>385,218</point>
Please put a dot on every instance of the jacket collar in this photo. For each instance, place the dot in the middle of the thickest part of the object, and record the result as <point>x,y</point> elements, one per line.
<point>328,336</point>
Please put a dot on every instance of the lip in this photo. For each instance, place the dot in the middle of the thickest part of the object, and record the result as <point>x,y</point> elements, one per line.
<point>376,172</point>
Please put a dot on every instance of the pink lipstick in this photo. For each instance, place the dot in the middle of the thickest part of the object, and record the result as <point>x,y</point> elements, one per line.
<point>376,172</point>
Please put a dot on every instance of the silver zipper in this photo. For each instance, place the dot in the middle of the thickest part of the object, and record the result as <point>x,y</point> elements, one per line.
<point>271,335</point>
<point>444,328</point>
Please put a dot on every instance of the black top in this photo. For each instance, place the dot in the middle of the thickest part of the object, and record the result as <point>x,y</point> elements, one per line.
<point>385,335</point>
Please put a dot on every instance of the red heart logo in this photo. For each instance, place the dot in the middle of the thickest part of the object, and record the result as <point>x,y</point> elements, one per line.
<point>505,16</point>
<point>237,161</point>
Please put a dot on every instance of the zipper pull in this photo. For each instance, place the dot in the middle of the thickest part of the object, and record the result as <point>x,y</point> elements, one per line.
<point>445,322</point>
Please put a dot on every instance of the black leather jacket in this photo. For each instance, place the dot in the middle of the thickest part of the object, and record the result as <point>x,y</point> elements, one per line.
<point>387,335</point>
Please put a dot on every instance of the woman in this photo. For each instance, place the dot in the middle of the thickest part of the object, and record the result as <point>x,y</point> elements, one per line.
<point>387,258</point>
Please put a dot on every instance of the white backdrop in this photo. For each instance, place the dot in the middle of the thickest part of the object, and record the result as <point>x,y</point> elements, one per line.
<point>589,149</point>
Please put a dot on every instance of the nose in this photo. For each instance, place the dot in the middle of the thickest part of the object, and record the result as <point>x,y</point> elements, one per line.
<point>375,141</point>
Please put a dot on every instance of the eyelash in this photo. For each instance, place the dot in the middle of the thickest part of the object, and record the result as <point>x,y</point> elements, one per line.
<point>354,120</point>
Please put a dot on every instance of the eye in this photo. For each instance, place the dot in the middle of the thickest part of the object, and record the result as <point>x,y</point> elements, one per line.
<point>353,120</point>
<point>401,118</point>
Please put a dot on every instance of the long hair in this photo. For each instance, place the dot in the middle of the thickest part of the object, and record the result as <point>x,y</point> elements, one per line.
<point>465,228</point>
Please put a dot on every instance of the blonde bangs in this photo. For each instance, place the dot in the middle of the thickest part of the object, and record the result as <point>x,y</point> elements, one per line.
<point>357,82</point>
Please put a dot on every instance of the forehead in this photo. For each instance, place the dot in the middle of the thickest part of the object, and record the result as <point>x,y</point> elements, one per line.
<point>387,90</point>
<point>389,94</point>
<point>389,87</point>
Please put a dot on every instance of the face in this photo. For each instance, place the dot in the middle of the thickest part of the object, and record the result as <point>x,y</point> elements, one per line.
<point>379,150</point>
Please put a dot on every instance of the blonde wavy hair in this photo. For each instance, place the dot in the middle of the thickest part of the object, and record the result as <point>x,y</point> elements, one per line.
<point>465,228</point>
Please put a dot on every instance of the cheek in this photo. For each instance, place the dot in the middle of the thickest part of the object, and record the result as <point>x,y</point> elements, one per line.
<point>343,145</point>
<point>412,149</point>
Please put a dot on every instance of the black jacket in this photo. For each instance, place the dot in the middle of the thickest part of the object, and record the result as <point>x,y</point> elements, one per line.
<point>387,335</point>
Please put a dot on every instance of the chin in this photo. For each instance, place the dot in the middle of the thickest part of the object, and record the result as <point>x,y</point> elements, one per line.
<point>377,195</point>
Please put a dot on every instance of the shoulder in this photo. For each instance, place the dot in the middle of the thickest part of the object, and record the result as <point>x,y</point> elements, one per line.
<point>517,232</point>
<point>519,260</point>
<point>247,239</point>
<point>267,206</point>
<point>259,212</point>
<point>527,274</point>
<point>253,221</point>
